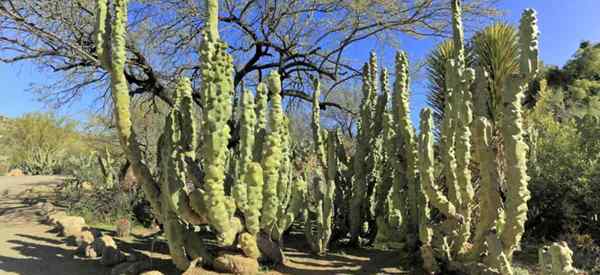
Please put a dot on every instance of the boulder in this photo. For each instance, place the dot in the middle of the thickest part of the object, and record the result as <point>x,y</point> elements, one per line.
<point>269,249</point>
<point>52,218</point>
<point>71,225</point>
<point>236,264</point>
<point>123,228</point>
<point>15,173</point>
<point>106,247</point>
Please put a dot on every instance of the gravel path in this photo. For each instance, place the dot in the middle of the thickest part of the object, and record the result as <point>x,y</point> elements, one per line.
<point>26,246</point>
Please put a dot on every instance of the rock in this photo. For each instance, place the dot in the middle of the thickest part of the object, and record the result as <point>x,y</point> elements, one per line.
<point>42,190</point>
<point>15,173</point>
<point>123,228</point>
<point>106,247</point>
<point>194,269</point>
<point>236,264</point>
<point>43,208</point>
<point>152,272</point>
<point>131,268</point>
<point>71,225</point>
<point>52,219</point>
<point>89,252</point>
<point>85,238</point>
<point>269,249</point>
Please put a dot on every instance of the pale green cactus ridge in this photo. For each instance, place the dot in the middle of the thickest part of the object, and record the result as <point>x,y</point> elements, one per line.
<point>528,44</point>
<point>407,140</point>
<point>246,147</point>
<point>515,150</point>
<point>212,18</point>
<point>458,32</point>
<point>102,34</point>
<point>427,169</point>
<point>360,170</point>
<point>561,259</point>
<point>426,162</point>
<point>316,125</point>
<point>254,182</point>
<point>296,204</point>
<point>217,87</point>
<point>272,156</point>
<point>490,201</point>
<point>187,113</point>
<point>284,187</point>
<point>261,117</point>
<point>261,105</point>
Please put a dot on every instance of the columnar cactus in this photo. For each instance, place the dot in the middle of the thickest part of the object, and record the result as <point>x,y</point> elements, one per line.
<point>500,236</point>
<point>321,197</point>
<point>181,193</point>
<point>560,259</point>
<point>407,143</point>
<point>363,159</point>
<point>272,157</point>
<point>515,148</point>
<point>427,177</point>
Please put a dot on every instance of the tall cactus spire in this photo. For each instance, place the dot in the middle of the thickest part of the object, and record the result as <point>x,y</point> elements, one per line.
<point>515,149</point>
<point>405,130</point>
<point>212,18</point>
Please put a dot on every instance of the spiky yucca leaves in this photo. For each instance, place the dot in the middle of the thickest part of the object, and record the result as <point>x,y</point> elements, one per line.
<point>496,52</point>
<point>436,78</point>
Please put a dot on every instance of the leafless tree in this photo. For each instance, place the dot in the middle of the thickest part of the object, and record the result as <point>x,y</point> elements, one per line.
<point>298,38</point>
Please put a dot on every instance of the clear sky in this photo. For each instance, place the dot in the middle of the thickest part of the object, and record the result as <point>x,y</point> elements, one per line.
<point>563,25</point>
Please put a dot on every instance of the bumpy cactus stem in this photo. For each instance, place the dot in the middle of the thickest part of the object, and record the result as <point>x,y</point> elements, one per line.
<point>323,194</point>
<point>247,132</point>
<point>426,164</point>
<point>363,158</point>
<point>407,141</point>
<point>218,87</point>
<point>490,200</point>
<point>515,149</point>
<point>272,156</point>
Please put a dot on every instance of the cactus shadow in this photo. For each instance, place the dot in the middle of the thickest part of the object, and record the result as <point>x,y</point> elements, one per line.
<point>299,260</point>
<point>42,256</point>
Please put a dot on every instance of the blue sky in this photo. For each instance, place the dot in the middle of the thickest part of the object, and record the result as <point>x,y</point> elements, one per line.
<point>563,25</point>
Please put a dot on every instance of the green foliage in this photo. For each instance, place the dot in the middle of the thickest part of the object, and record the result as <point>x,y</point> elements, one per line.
<point>564,173</point>
<point>38,143</point>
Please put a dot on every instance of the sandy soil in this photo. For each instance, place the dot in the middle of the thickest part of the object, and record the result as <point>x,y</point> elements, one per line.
<point>28,247</point>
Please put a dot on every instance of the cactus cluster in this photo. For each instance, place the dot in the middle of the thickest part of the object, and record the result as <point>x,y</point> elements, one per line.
<point>182,195</point>
<point>500,224</point>
<point>384,192</point>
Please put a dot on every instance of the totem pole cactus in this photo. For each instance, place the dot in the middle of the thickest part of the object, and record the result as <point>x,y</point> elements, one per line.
<point>183,195</point>
<point>406,141</point>
<point>560,259</point>
<point>319,215</point>
<point>500,235</point>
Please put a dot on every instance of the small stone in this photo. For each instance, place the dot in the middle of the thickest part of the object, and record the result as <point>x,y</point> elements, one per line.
<point>236,264</point>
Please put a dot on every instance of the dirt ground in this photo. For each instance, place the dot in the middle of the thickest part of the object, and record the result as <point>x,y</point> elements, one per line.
<point>29,247</point>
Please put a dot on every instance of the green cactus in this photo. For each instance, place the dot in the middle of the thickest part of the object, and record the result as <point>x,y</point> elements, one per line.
<point>426,167</point>
<point>499,227</point>
<point>407,143</point>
